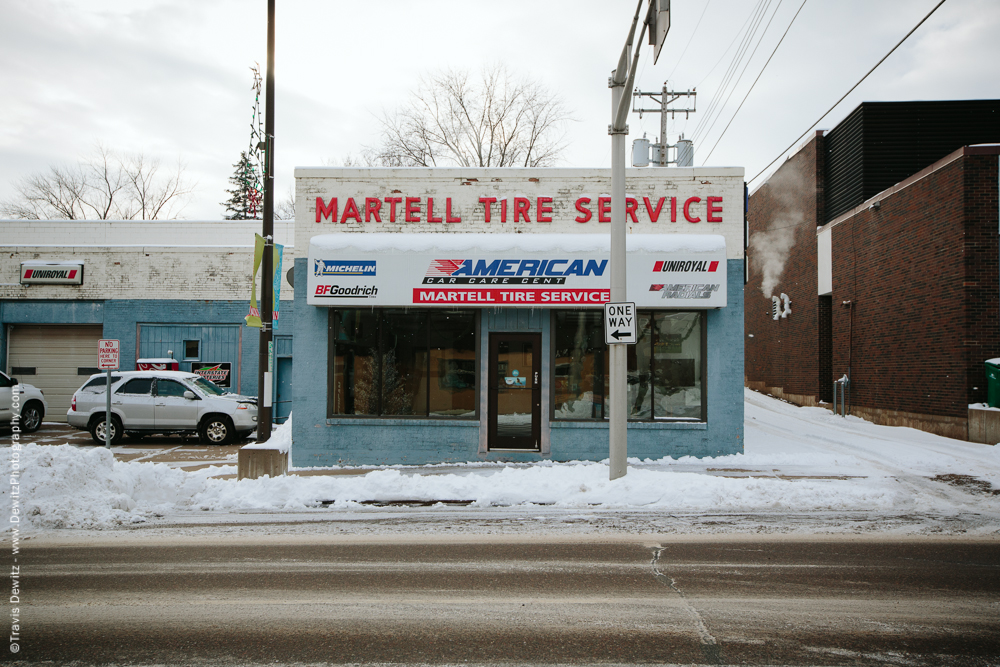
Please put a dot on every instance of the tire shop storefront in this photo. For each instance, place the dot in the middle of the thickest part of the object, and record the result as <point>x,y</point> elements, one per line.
<point>454,315</point>
<point>164,289</point>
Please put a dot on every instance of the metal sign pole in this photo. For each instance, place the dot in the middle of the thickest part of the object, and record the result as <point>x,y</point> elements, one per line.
<point>618,357</point>
<point>621,80</point>
<point>107,411</point>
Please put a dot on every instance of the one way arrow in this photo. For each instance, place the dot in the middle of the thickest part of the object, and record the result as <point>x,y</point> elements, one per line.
<point>618,335</point>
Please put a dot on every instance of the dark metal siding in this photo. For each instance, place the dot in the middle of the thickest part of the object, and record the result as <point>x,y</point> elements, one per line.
<point>844,147</point>
<point>882,143</point>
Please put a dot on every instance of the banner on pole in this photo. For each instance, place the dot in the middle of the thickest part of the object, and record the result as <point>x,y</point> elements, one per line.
<point>253,319</point>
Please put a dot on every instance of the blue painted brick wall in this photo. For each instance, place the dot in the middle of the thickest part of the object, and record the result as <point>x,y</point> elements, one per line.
<point>322,442</point>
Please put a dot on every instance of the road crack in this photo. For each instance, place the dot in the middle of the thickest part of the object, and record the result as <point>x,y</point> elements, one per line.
<point>710,647</point>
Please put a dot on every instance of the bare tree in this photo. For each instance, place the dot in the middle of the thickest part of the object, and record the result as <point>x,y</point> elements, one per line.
<point>285,209</point>
<point>108,186</point>
<point>495,121</point>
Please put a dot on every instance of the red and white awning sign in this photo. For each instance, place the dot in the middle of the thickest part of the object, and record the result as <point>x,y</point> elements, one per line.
<point>513,270</point>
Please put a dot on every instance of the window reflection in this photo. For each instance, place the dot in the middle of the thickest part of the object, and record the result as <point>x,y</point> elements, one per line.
<point>664,367</point>
<point>398,362</point>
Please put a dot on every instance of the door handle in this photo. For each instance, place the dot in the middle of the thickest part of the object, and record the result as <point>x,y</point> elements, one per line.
<point>116,403</point>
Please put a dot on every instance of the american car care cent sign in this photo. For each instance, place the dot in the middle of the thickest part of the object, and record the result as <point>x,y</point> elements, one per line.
<point>512,270</point>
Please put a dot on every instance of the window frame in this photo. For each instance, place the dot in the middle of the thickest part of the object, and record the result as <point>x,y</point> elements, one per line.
<point>332,331</point>
<point>196,341</point>
<point>703,370</point>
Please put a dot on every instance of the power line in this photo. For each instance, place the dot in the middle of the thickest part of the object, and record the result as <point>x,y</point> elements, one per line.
<point>733,65</point>
<point>693,32</point>
<point>848,92</point>
<point>733,90</point>
<point>735,37</point>
<point>755,81</point>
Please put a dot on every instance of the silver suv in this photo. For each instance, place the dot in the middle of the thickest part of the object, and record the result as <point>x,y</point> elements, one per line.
<point>148,402</point>
<point>31,401</point>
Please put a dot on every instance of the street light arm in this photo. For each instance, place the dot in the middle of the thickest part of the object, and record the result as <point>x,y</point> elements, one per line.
<point>623,103</point>
<point>620,73</point>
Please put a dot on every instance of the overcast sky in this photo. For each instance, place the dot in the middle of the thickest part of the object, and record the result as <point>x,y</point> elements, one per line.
<point>172,78</point>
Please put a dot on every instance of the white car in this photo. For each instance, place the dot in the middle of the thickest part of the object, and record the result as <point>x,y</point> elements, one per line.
<point>148,402</point>
<point>31,401</point>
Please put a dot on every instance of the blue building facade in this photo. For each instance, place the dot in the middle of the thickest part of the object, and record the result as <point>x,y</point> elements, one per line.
<point>388,374</point>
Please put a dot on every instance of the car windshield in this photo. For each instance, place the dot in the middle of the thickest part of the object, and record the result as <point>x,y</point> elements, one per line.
<point>207,386</point>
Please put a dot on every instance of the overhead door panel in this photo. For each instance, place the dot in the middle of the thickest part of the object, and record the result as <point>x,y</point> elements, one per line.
<point>56,359</point>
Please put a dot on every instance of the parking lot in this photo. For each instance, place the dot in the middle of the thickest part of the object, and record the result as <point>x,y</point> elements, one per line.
<point>177,451</point>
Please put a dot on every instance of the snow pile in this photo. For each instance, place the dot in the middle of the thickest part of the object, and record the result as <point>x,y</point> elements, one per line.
<point>798,460</point>
<point>281,438</point>
<point>74,487</point>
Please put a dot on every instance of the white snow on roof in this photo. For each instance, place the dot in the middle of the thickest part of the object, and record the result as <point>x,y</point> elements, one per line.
<point>489,243</point>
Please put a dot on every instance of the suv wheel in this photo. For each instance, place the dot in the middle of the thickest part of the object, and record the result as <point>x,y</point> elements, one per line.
<point>98,426</point>
<point>31,417</point>
<point>217,430</point>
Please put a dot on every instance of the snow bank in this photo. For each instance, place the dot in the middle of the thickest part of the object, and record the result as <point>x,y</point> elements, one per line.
<point>281,438</point>
<point>798,460</point>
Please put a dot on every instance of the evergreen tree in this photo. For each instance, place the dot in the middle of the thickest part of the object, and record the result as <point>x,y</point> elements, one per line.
<point>246,198</point>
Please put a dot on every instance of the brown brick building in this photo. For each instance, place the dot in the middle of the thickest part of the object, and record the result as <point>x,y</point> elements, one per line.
<point>883,235</point>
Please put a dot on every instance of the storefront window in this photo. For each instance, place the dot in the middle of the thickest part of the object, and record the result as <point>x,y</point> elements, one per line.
<point>402,363</point>
<point>664,374</point>
<point>580,373</point>
<point>452,364</point>
<point>677,365</point>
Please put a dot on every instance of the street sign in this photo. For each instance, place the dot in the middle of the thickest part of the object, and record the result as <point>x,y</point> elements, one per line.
<point>619,324</point>
<point>659,27</point>
<point>107,354</point>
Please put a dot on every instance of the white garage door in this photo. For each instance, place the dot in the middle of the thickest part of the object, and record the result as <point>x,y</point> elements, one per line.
<point>54,358</point>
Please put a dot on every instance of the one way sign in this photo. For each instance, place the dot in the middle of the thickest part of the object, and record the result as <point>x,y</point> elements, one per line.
<point>619,323</point>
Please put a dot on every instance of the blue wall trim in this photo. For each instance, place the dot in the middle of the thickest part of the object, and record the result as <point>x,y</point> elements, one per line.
<point>319,441</point>
<point>122,317</point>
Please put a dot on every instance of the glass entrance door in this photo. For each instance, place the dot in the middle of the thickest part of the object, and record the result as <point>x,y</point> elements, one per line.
<point>515,391</point>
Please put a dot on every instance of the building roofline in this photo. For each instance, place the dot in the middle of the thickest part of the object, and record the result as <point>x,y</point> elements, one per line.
<point>976,149</point>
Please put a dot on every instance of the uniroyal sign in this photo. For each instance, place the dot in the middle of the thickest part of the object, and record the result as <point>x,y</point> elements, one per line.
<point>513,270</point>
<point>51,273</point>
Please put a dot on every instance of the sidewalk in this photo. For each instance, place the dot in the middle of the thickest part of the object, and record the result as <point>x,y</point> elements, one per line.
<point>189,454</point>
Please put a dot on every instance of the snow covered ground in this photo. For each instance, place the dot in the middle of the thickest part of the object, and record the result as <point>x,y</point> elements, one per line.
<point>804,471</point>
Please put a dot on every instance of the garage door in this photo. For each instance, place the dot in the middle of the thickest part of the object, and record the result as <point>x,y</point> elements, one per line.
<point>54,358</point>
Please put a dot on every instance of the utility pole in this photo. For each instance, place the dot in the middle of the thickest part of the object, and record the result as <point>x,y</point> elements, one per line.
<point>664,98</point>
<point>265,360</point>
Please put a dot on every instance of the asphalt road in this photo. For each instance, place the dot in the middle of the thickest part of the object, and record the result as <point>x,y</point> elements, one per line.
<point>773,601</point>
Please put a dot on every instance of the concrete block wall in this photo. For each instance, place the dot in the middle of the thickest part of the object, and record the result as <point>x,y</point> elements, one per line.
<point>139,260</point>
<point>140,272</point>
<point>565,188</point>
<point>103,233</point>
